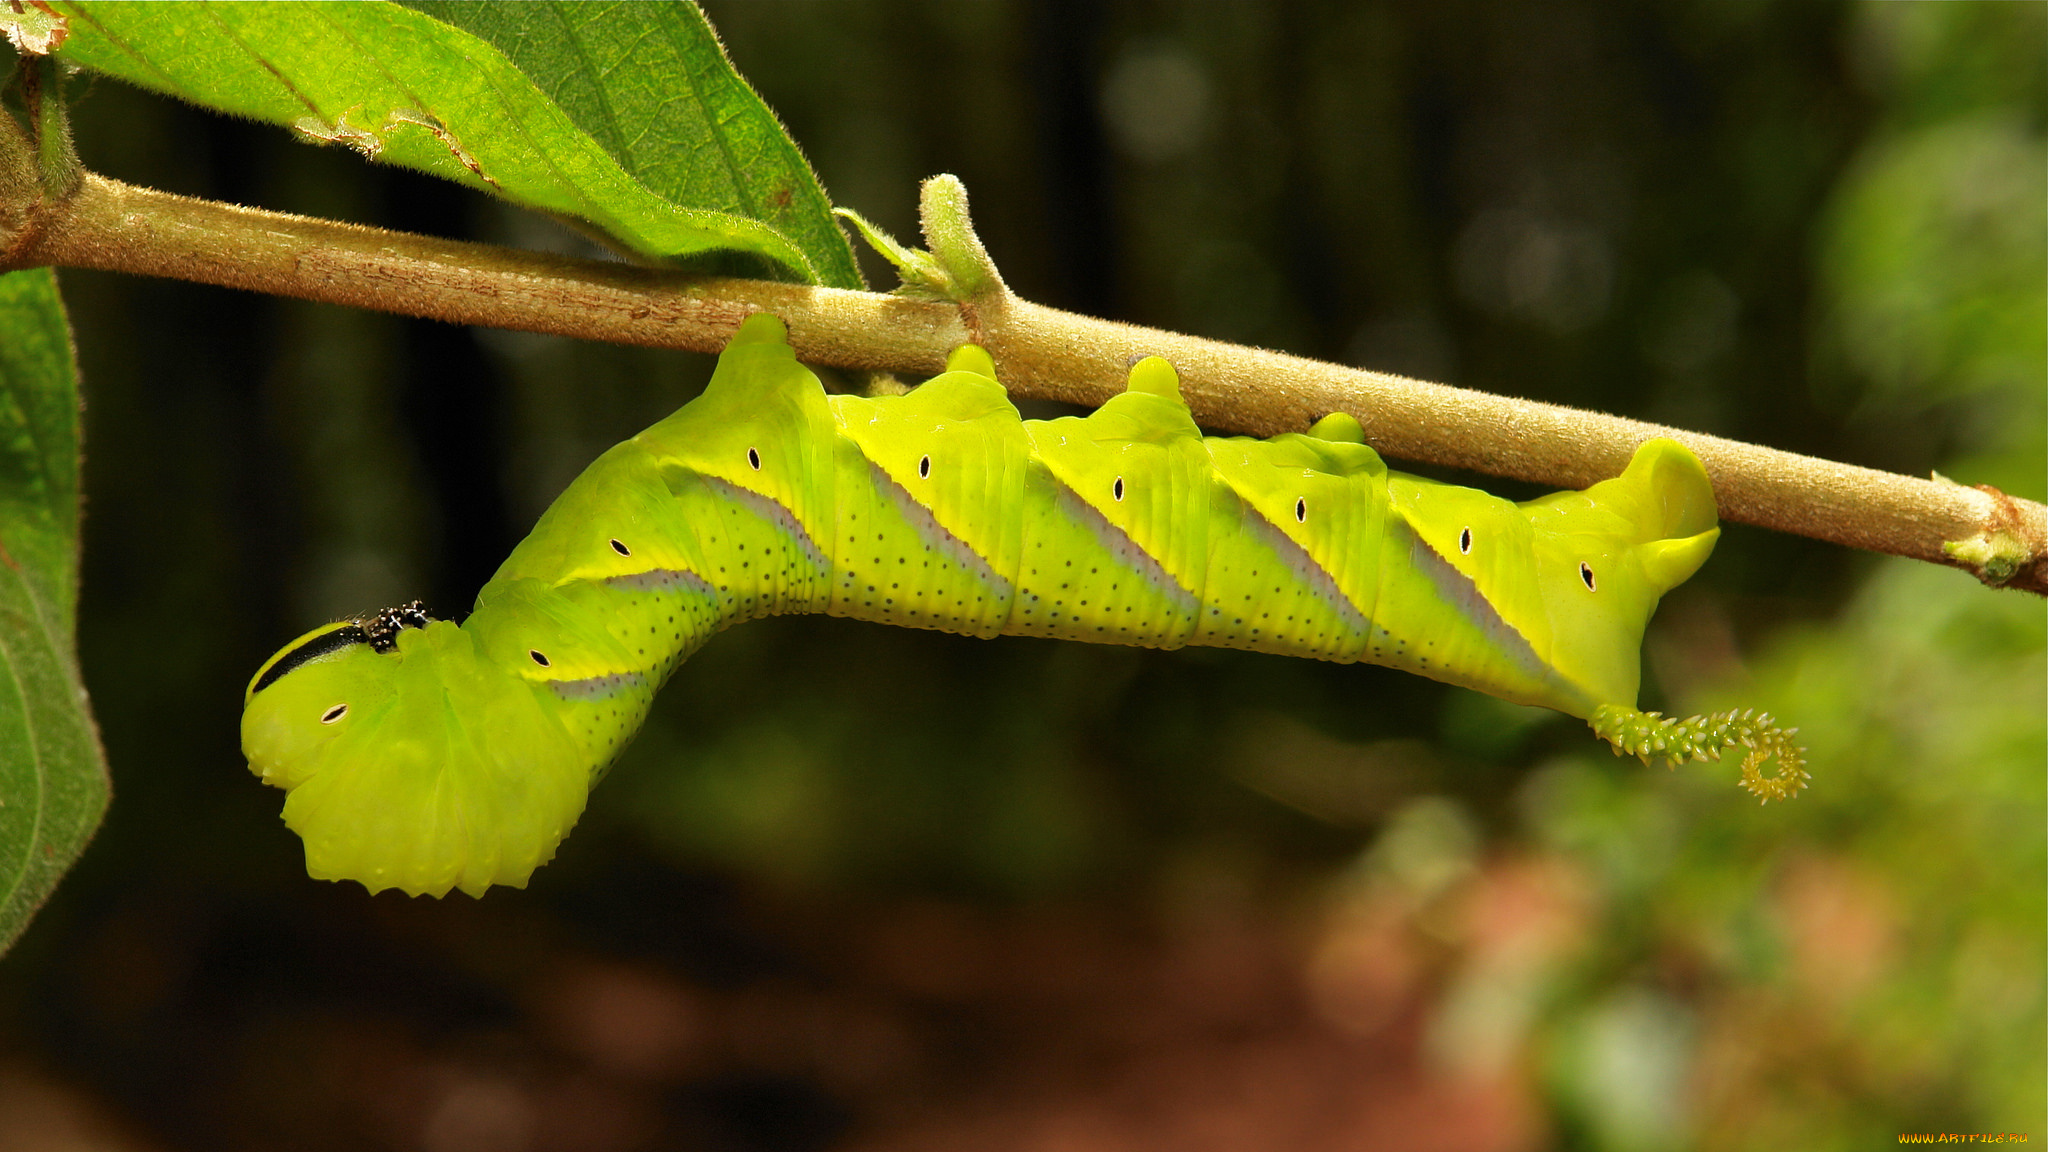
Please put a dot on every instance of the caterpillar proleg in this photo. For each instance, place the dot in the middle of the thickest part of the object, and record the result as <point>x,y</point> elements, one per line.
<point>425,755</point>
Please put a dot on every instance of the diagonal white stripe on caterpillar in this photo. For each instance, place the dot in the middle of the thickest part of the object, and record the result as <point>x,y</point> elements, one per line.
<point>426,755</point>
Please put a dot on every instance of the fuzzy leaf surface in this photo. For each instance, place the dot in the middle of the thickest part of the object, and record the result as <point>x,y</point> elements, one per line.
<point>53,775</point>
<point>652,84</point>
<point>405,88</point>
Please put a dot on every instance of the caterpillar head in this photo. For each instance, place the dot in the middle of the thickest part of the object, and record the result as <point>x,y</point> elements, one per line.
<point>410,762</point>
<point>1605,556</point>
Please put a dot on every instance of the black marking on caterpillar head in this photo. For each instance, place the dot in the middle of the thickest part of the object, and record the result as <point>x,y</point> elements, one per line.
<point>312,649</point>
<point>1465,541</point>
<point>334,713</point>
<point>620,548</point>
<point>753,460</point>
<point>1586,574</point>
<point>381,630</point>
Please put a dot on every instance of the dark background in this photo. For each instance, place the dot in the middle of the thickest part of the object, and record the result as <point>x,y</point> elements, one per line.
<point>866,887</point>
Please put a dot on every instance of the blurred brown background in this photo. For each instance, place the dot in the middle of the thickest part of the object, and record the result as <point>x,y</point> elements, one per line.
<point>867,888</point>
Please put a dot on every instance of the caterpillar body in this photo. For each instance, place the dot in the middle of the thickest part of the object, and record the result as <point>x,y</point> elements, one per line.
<point>425,755</point>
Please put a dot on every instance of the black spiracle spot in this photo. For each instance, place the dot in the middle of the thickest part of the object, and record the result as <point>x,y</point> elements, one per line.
<point>1118,490</point>
<point>1465,541</point>
<point>619,547</point>
<point>539,657</point>
<point>753,460</point>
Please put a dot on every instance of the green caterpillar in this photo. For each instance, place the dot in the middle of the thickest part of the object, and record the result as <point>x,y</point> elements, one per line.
<point>423,755</point>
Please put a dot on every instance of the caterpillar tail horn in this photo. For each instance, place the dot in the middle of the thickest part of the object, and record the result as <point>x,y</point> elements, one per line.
<point>1647,734</point>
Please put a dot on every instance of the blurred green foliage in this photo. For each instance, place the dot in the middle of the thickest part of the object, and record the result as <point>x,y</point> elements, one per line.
<point>1811,225</point>
<point>1869,960</point>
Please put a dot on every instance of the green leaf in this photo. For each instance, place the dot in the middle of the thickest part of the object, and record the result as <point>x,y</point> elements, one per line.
<point>53,776</point>
<point>922,276</point>
<point>404,88</point>
<point>651,83</point>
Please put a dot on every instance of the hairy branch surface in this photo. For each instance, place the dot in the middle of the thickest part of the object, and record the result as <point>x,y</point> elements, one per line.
<point>1044,353</point>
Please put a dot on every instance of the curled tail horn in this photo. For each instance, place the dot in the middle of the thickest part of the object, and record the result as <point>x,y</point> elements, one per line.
<point>1647,734</point>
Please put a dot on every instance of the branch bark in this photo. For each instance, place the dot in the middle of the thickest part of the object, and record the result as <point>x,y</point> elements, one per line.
<point>1044,353</point>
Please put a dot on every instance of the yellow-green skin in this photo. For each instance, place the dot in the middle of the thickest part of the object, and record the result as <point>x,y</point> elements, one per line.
<point>465,753</point>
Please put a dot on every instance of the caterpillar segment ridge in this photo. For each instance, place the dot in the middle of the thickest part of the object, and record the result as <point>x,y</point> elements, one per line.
<point>425,755</point>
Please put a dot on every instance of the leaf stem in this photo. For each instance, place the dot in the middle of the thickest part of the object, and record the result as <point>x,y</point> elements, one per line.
<point>1044,353</point>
